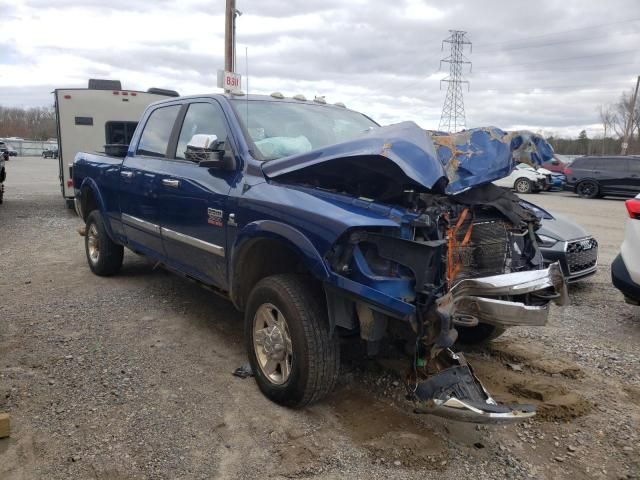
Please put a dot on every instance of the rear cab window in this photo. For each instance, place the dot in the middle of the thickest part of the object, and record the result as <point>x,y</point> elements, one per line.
<point>119,133</point>
<point>155,137</point>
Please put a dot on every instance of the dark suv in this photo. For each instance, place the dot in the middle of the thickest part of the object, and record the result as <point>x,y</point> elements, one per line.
<point>592,177</point>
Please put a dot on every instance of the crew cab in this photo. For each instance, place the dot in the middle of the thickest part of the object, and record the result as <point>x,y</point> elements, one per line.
<point>317,223</point>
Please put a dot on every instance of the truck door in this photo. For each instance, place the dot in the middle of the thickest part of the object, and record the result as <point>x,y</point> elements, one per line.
<point>139,183</point>
<point>193,200</point>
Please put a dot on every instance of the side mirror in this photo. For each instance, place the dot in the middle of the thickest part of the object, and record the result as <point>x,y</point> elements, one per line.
<point>205,150</point>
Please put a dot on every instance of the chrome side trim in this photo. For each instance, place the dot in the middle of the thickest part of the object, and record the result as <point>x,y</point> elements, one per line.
<point>141,224</point>
<point>192,241</point>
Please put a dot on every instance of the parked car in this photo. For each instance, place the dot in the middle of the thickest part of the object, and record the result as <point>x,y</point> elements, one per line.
<point>4,151</point>
<point>625,269</point>
<point>3,174</point>
<point>12,152</point>
<point>50,153</point>
<point>562,240</point>
<point>555,165</point>
<point>597,176</point>
<point>316,221</point>
<point>525,179</point>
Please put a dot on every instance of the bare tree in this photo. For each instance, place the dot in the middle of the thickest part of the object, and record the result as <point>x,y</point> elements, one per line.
<point>37,123</point>
<point>607,117</point>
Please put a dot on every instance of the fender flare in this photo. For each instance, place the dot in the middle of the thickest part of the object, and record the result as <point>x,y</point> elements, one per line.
<point>91,185</point>
<point>272,230</point>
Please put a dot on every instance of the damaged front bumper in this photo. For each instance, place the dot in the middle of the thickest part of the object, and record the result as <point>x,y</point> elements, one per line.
<point>508,300</point>
<point>449,387</point>
<point>457,394</point>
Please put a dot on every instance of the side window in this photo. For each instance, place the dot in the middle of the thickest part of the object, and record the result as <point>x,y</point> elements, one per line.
<point>634,165</point>
<point>586,163</point>
<point>156,133</point>
<point>615,164</point>
<point>119,133</point>
<point>206,118</point>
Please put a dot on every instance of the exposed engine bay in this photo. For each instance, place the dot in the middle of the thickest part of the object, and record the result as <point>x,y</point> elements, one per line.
<point>466,261</point>
<point>463,259</point>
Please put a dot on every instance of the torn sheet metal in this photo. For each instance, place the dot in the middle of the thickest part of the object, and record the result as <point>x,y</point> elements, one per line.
<point>440,162</point>
<point>481,155</point>
<point>454,392</point>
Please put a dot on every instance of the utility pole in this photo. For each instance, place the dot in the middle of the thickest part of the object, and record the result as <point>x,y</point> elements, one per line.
<point>229,35</point>
<point>632,111</point>
<point>453,116</point>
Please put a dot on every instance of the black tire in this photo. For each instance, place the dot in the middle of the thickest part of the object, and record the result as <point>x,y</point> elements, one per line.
<point>483,333</point>
<point>588,189</point>
<point>109,254</point>
<point>523,185</point>
<point>315,352</point>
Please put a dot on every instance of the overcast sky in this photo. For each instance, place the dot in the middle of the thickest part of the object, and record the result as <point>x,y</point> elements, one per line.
<point>544,65</point>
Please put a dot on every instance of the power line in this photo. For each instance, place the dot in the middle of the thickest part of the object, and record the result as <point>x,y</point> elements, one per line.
<point>453,116</point>
<point>558,42</point>
<point>555,69</point>
<point>561,32</point>
<point>550,60</point>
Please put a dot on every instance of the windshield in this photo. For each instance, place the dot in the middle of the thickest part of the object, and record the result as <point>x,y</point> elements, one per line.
<point>280,129</point>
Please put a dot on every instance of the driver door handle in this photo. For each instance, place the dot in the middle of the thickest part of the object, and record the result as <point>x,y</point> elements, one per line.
<point>170,182</point>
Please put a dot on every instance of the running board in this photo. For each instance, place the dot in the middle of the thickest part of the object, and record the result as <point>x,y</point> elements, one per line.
<point>456,393</point>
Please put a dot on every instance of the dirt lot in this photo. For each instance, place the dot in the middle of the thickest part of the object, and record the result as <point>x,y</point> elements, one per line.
<point>130,377</point>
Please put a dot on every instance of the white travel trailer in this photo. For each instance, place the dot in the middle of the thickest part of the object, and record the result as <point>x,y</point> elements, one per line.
<point>97,119</point>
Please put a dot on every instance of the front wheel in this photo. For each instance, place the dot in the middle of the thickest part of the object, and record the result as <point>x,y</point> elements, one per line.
<point>588,189</point>
<point>523,185</point>
<point>103,254</point>
<point>293,353</point>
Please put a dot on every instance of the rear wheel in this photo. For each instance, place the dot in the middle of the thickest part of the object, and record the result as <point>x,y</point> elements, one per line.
<point>482,333</point>
<point>588,189</point>
<point>294,356</point>
<point>523,185</point>
<point>103,254</point>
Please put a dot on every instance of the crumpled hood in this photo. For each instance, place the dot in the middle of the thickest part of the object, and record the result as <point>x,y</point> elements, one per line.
<point>428,159</point>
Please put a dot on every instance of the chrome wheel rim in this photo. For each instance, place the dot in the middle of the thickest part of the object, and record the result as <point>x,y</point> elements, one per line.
<point>93,243</point>
<point>522,186</point>
<point>272,343</point>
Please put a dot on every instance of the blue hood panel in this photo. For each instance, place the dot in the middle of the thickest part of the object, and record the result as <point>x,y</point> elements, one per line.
<point>460,161</point>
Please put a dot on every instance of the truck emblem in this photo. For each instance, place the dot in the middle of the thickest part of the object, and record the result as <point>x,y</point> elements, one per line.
<point>215,217</point>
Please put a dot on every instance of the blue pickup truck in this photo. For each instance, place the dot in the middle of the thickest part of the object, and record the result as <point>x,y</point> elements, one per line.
<point>319,224</point>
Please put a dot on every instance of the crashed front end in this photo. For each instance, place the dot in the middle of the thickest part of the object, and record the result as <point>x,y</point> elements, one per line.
<point>464,254</point>
<point>459,267</point>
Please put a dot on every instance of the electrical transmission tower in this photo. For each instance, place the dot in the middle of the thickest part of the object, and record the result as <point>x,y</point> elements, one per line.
<point>452,119</point>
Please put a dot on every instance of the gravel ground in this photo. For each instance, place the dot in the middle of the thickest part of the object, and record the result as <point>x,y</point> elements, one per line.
<point>130,376</point>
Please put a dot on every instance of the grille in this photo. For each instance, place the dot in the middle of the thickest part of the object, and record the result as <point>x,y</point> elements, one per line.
<point>486,252</point>
<point>582,254</point>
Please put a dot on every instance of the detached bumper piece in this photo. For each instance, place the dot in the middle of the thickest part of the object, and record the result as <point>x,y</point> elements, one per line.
<point>457,394</point>
<point>512,299</point>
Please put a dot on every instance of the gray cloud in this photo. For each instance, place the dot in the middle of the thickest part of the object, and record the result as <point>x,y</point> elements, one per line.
<point>379,56</point>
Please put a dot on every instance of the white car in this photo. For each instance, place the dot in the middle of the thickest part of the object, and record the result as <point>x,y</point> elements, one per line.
<point>625,269</point>
<point>526,179</point>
